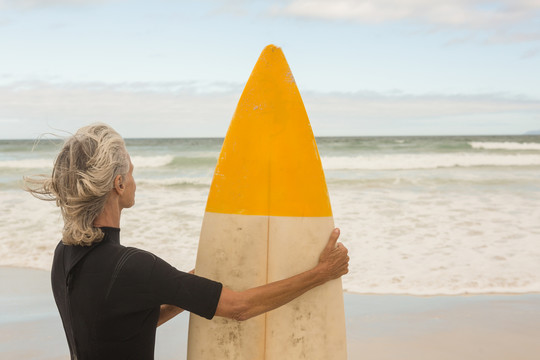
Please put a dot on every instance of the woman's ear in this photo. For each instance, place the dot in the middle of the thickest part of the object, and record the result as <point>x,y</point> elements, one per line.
<point>118,184</point>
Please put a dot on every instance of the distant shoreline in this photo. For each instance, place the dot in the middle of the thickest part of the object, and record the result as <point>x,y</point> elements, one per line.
<point>528,133</point>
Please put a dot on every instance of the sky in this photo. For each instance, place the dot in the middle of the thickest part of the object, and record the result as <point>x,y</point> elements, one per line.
<point>174,68</point>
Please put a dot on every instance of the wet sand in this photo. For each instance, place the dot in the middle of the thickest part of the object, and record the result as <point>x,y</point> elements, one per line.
<point>378,326</point>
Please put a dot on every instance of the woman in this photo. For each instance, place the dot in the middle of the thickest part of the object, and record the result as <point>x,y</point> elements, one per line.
<point>110,297</point>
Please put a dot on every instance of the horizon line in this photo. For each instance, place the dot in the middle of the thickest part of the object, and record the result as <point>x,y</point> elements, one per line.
<point>316,136</point>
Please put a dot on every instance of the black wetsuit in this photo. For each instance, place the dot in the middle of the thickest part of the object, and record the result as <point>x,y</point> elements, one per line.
<point>109,297</point>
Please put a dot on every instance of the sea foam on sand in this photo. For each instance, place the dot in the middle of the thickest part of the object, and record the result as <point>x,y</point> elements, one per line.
<point>405,242</point>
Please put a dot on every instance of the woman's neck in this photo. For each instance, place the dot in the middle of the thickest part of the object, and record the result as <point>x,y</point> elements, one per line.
<point>110,216</point>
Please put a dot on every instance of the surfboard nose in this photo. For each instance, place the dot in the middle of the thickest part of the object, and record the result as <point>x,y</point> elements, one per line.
<point>269,163</point>
<point>271,47</point>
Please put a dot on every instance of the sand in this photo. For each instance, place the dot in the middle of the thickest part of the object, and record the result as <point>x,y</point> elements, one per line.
<point>378,326</point>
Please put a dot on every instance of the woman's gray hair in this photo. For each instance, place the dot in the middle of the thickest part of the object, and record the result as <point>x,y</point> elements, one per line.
<point>82,178</point>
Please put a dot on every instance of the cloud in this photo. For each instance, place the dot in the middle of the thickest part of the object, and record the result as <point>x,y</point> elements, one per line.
<point>485,21</point>
<point>197,110</point>
<point>396,104</point>
<point>397,113</point>
<point>461,13</point>
<point>140,109</point>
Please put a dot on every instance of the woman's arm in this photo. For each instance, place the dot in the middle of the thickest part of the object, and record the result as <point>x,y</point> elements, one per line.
<point>167,312</point>
<point>333,263</point>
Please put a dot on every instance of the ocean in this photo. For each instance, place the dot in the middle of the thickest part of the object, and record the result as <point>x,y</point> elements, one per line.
<point>420,215</point>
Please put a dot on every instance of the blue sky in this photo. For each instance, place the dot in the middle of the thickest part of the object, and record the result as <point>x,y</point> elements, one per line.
<point>167,68</point>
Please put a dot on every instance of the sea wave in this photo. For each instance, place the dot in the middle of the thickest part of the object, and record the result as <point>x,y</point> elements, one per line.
<point>172,161</point>
<point>152,161</point>
<point>358,162</point>
<point>426,161</point>
<point>27,164</point>
<point>504,145</point>
<point>177,181</point>
<point>139,162</point>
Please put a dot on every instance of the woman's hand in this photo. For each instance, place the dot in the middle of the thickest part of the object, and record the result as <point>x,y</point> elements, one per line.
<point>334,261</point>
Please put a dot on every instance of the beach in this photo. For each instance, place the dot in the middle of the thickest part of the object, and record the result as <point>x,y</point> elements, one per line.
<point>442,232</point>
<point>381,327</point>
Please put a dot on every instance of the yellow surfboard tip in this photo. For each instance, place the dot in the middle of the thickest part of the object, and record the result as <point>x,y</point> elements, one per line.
<point>269,163</point>
<point>272,57</point>
<point>270,47</point>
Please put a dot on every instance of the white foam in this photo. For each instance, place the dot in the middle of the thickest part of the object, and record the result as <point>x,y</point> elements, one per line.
<point>30,230</point>
<point>151,161</point>
<point>401,241</point>
<point>138,161</point>
<point>27,164</point>
<point>430,242</point>
<point>426,161</point>
<point>176,181</point>
<point>506,145</point>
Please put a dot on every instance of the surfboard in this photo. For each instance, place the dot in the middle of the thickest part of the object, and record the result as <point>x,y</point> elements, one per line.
<point>268,217</point>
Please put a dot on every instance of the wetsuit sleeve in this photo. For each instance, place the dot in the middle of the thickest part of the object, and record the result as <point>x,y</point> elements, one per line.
<point>189,292</point>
